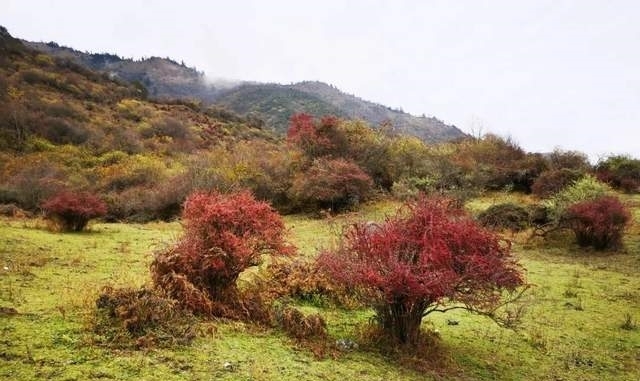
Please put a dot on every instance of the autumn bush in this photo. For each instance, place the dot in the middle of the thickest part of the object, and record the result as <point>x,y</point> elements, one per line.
<point>330,137</point>
<point>127,317</point>
<point>32,182</point>
<point>316,138</point>
<point>621,172</point>
<point>71,211</point>
<point>574,160</point>
<point>599,223</point>
<point>491,162</point>
<point>427,255</point>
<point>553,181</point>
<point>334,184</point>
<point>299,280</point>
<point>505,216</point>
<point>299,325</point>
<point>587,188</point>
<point>140,204</point>
<point>223,236</point>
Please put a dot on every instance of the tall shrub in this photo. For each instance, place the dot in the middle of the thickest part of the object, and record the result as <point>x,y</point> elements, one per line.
<point>409,266</point>
<point>223,236</point>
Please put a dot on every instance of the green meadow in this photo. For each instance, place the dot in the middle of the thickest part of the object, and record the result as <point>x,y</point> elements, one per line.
<point>581,322</point>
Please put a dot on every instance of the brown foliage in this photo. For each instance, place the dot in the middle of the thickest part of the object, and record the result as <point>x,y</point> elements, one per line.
<point>299,326</point>
<point>553,181</point>
<point>334,184</point>
<point>141,318</point>
<point>301,280</point>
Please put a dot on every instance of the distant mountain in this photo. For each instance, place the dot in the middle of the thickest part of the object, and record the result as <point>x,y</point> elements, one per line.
<point>162,77</point>
<point>428,128</point>
<point>48,101</point>
<point>273,103</point>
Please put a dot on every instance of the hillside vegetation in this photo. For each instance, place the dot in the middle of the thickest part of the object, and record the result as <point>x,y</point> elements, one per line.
<point>273,103</point>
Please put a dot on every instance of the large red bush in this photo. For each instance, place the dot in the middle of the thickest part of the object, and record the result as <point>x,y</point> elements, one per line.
<point>415,261</point>
<point>71,211</point>
<point>223,236</point>
<point>599,223</point>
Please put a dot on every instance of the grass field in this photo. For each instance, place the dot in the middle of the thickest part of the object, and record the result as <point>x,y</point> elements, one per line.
<point>581,323</point>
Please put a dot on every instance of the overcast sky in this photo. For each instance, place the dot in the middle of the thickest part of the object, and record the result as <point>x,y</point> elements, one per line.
<point>547,73</point>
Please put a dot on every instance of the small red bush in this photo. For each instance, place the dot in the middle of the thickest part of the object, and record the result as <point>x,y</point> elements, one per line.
<point>408,266</point>
<point>223,236</point>
<point>599,223</point>
<point>71,211</point>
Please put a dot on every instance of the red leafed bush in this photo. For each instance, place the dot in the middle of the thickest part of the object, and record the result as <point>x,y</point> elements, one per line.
<point>223,236</point>
<point>333,184</point>
<point>408,266</point>
<point>315,138</point>
<point>71,211</point>
<point>599,223</point>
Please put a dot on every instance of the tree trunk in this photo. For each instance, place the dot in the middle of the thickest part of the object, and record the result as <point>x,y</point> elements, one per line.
<point>402,320</point>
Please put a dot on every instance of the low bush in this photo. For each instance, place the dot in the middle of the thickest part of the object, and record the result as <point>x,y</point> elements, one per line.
<point>12,210</point>
<point>599,223</point>
<point>300,280</point>
<point>505,216</point>
<point>141,318</point>
<point>300,326</point>
<point>553,181</point>
<point>162,202</point>
<point>71,211</point>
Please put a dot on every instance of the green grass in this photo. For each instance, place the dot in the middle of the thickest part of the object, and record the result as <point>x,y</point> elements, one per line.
<point>572,329</point>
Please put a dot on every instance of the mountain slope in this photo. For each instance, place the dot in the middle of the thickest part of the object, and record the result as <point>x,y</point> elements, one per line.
<point>273,103</point>
<point>276,103</point>
<point>61,102</point>
<point>427,128</point>
<point>162,77</point>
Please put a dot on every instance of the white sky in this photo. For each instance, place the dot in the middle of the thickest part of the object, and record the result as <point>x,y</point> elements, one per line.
<point>548,73</point>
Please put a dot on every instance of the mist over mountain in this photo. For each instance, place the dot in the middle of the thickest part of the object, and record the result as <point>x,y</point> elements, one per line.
<point>165,78</point>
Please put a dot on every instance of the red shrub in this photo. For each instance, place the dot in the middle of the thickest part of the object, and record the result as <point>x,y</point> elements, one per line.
<point>408,266</point>
<point>223,235</point>
<point>315,138</point>
<point>599,223</point>
<point>71,211</point>
<point>331,184</point>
